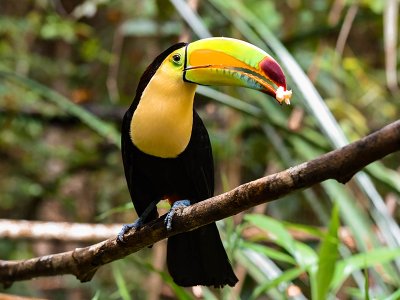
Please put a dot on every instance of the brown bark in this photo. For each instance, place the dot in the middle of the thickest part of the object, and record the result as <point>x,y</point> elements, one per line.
<point>340,164</point>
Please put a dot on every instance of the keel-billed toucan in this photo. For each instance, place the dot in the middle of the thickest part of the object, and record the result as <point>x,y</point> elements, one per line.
<point>166,150</point>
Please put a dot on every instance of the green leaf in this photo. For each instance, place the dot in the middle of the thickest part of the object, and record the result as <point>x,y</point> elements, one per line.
<point>303,254</point>
<point>327,257</point>
<point>357,220</point>
<point>286,276</point>
<point>276,231</point>
<point>208,294</point>
<point>121,283</point>
<point>394,296</point>
<point>366,284</point>
<point>96,295</point>
<point>385,175</point>
<point>311,230</point>
<point>359,261</point>
<point>269,252</point>
<point>259,274</point>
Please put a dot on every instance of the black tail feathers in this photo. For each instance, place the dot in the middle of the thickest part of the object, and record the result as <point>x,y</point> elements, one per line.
<point>199,258</point>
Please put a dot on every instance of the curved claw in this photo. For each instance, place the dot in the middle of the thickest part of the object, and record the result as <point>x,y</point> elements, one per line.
<point>127,227</point>
<point>171,212</point>
<point>138,223</point>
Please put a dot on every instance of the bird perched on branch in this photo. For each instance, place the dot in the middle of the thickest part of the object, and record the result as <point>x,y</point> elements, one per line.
<point>166,150</point>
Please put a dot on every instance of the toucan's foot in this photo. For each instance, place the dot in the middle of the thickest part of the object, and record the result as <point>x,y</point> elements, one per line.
<point>172,211</point>
<point>127,227</point>
<point>138,223</point>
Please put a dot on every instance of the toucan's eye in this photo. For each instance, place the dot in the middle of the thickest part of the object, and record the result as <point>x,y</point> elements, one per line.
<point>176,58</point>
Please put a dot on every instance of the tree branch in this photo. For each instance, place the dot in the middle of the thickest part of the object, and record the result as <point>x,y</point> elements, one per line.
<point>340,164</point>
<point>89,232</point>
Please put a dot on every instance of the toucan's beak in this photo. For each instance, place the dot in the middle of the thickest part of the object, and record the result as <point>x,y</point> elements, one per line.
<point>226,61</point>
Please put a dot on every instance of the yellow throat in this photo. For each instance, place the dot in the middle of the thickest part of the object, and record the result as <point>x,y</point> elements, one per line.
<point>162,122</point>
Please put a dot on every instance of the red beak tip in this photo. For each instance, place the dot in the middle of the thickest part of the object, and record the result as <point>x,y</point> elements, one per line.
<point>274,71</point>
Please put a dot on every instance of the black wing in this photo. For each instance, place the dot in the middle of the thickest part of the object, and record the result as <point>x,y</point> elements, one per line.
<point>140,187</point>
<point>198,162</point>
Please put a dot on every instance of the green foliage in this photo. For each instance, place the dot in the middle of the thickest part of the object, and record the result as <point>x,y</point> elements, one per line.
<point>326,270</point>
<point>327,258</point>
<point>68,71</point>
<point>122,285</point>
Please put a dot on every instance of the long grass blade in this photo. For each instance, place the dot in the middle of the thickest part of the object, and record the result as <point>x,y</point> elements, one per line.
<point>327,257</point>
<point>191,18</point>
<point>264,270</point>
<point>121,283</point>
<point>101,127</point>
<point>361,261</point>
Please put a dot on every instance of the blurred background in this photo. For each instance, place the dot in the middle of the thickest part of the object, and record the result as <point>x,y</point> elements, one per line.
<point>69,70</point>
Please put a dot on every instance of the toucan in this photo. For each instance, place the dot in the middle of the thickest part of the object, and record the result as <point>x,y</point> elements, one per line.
<point>166,149</point>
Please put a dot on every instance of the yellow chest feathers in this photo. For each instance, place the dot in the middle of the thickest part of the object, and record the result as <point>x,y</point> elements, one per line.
<point>162,122</point>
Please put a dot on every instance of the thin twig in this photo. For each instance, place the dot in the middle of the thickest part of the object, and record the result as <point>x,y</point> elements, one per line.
<point>390,38</point>
<point>345,30</point>
<point>112,76</point>
<point>340,164</point>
